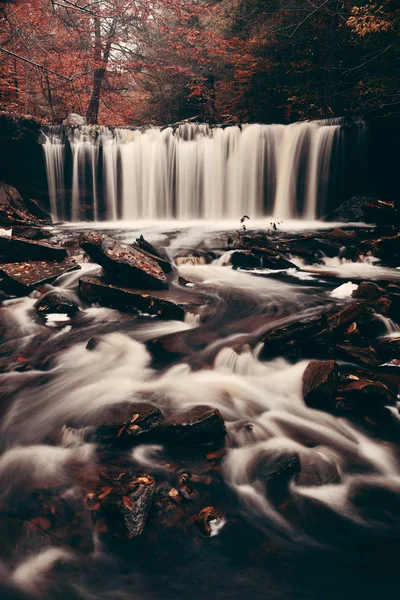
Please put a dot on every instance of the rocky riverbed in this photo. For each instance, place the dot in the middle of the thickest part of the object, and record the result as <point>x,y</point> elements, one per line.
<point>199,413</point>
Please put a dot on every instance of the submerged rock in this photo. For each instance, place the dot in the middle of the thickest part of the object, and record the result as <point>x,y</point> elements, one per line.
<point>165,304</point>
<point>22,277</point>
<point>123,262</point>
<point>197,426</point>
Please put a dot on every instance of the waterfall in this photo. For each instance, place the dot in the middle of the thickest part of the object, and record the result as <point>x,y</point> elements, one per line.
<point>193,171</point>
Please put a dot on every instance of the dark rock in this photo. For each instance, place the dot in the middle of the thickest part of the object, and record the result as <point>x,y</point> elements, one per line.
<point>19,250</point>
<point>311,249</point>
<point>320,380</point>
<point>22,277</point>
<point>121,508</point>
<point>341,318</point>
<point>36,209</point>
<point>368,290</point>
<point>388,347</point>
<point>363,396</point>
<point>364,355</point>
<point>245,259</point>
<point>13,211</point>
<point>122,422</point>
<point>169,304</point>
<point>273,469</point>
<point>55,303</point>
<point>363,209</point>
<point>342,237</point>
<point>123,262</point>
<point>198,426</point>
<point>155,253</point>
<point>291,335</point>
<point>30,232</point>
<point>386,248</point>
<point>206,519</point>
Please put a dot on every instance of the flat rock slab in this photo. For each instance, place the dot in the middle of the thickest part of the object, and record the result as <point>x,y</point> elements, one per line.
<point>169,304</point>
<point>13,210</point>
<point>17,249</point>
<point>124,263</point>
<point>197,426</point>
<point>22,277</point>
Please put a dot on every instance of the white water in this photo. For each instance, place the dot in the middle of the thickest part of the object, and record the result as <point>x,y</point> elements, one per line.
<point>194,172</point>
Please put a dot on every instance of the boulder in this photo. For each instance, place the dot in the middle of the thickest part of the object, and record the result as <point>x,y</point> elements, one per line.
<point>246,259</point>
<point>197,426</point>
<point>22,277</point>
<point>369,291</point>
<point>13,210</point>
<point>320,380</point>
<point>364,209</point>
<point>169,304</point>
<point>55,303</point>
<point>74,120</point>
<point>123,262</point>
<point>16,249</point>
<point>36,209</point>
<point>361,397</point>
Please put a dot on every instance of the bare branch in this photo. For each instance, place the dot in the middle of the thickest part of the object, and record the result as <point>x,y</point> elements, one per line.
<point>31,62</point>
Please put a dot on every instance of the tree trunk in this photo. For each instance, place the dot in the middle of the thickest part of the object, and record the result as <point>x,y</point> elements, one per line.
<point>101,59</point>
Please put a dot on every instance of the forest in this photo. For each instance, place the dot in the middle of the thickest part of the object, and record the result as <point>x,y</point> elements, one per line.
<point>136,62</point>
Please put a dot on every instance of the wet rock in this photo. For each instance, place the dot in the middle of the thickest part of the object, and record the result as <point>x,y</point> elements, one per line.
<point>55,303</point>
<point>320,380</point>
<point>273,469</point>
<point>316,470</point>
<point>22,277</point>
<point>36,209</point>
<point>120,509</point>
<point>16,249</point>
<point>362,396</point>
<point>386,248</point>
<point>31,232</point>
<point>195,257</point>
<point>21,539</point>
<point>155,253</point>
<point>312,249</point>
<point>245,259</point>
<point>209,521</point>
<point>364,355</point>
<point>342,317</point>
<point>342,237</point>
<point>165,304</point>
<point>389,347</point>
<point>197,426</point>
<point>123,262</point>
<point>122,422</point>
<point>290,336</point>
<point>364,209</point>
<point>13,210</point>
<point>369,291</point>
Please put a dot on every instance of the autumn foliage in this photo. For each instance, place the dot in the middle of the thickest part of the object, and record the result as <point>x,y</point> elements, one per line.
<point>136,61</point>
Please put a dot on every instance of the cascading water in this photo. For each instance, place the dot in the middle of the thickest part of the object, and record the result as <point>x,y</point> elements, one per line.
<point>193,171</point>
